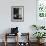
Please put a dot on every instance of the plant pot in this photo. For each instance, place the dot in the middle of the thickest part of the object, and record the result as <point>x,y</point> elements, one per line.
<point>40,41</point>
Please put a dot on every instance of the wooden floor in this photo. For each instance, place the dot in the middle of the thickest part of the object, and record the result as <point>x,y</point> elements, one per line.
<point>13,44</point>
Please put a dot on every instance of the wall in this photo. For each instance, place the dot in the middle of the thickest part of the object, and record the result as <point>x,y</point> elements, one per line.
<point>29,15</point>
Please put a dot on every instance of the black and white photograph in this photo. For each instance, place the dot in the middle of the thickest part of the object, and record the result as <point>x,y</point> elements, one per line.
<point>17,13</point>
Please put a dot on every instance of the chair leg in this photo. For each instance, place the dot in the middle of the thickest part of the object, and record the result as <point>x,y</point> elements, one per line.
<point>5,43</point>
<point>5,40</point>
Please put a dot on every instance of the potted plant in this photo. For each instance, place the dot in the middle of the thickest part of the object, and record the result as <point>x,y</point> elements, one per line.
<point>39,35</point>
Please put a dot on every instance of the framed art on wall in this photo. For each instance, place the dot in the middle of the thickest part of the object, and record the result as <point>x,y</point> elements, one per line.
<point>41,12</point>
<point>17,13</point>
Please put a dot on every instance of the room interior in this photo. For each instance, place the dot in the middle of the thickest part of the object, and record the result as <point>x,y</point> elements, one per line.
<point>22,22</point>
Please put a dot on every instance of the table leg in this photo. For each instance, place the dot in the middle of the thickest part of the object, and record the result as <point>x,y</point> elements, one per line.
<point>5,40</point>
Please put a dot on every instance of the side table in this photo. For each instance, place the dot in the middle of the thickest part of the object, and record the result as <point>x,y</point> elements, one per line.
<point>8,34</point>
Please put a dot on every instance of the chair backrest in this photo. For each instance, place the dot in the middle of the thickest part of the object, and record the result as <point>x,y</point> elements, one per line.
<point>14,30</point>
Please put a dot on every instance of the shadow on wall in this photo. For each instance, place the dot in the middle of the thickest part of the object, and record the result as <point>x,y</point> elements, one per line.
<point>32,30</point>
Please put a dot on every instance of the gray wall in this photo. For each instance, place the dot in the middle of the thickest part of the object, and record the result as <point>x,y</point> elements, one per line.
<point>29,15</point>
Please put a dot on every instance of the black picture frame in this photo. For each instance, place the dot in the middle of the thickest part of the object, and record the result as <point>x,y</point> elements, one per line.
<point>17,13</point>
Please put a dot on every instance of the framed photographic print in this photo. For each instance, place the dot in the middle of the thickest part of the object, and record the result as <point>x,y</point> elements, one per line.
<point>41,12</point>
<point>17,13</point>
